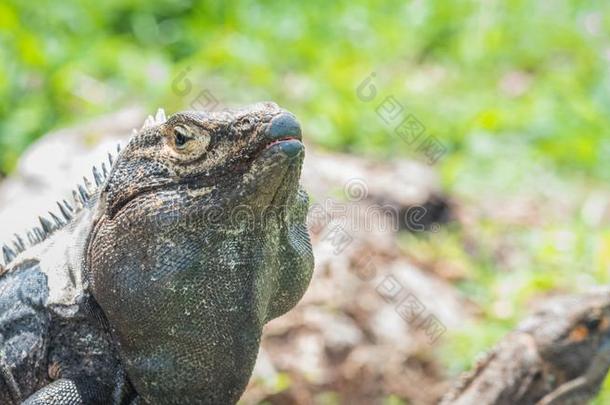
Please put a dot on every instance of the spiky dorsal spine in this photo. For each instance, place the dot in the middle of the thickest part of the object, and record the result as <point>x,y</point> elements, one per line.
<point>81,195</point>
<point>8,254</point>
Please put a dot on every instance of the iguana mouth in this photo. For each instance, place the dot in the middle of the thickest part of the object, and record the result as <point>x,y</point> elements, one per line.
<point>289,146</point>
<point>285,130</point>
<point>289,138</point>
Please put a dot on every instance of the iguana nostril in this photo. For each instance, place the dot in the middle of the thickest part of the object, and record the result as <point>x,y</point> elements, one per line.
<point>284,126</point>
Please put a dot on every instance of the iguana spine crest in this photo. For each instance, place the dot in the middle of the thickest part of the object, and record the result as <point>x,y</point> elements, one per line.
<point>68,211</point>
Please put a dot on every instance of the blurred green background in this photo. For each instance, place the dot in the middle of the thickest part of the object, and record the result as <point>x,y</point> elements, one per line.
<point>534,69</point>
<point>518,92</point>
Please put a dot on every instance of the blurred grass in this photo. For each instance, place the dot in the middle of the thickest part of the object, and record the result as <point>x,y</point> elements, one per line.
<point>536,70</point>
<point>518,91</point>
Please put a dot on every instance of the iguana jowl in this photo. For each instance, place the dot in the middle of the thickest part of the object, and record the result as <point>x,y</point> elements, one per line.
<point>155,288</point>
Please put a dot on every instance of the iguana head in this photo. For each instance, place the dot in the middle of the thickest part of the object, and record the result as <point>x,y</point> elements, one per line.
<point>200,239</point>
<point>570,331</point>
<point>201,150</point>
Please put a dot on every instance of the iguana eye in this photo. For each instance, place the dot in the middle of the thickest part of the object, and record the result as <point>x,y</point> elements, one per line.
<point>187,142</point>
<point>593,323</point>
<point>182,135</point>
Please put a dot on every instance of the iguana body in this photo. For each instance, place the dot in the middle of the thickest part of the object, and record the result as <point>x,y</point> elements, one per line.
<point>558,356</point>
<point>156,287</point>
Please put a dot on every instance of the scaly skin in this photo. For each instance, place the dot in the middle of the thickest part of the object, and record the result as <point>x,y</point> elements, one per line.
<point>558,356</point>
<point>194,240</point>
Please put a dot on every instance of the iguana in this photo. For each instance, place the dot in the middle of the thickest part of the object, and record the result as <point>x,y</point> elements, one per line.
<point>559,355</point>
<point>154,285</point>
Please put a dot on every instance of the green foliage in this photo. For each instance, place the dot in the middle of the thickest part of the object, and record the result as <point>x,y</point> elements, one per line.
<point>393,400</point>
<point>525,69</point>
